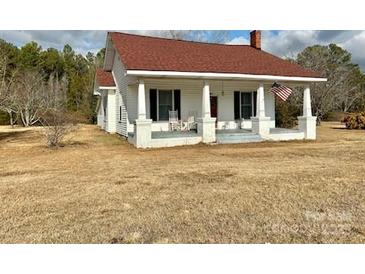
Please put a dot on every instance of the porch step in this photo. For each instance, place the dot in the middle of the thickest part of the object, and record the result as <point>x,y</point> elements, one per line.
<point>236,138</point>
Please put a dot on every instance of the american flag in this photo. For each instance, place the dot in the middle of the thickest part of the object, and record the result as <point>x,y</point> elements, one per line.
<point>281,91</point>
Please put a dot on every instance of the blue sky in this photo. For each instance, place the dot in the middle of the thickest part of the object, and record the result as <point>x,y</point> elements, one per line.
<point>284,43</point>
<point>237,33</point>
<point>245,33</point>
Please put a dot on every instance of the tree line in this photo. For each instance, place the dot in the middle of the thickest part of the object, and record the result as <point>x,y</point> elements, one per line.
<point>32,79</point>
<point>343,92</point>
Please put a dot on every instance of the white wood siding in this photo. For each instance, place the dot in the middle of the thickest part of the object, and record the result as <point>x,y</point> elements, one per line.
<point>132,104</point>
<point>120,79</point>
<point>191,93</point>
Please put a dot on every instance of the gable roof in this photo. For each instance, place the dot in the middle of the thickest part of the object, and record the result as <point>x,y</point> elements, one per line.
<point>104,78</point>
<point>160,54</point>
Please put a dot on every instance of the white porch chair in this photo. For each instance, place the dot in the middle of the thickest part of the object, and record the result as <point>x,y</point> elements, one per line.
<point>191,122</point>
<point>174,122</point>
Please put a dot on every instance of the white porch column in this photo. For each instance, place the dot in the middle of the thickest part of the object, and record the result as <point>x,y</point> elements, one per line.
<point>260,101</point>
<point>141,100</point>
<point>260,123</point>
<point>111,114</point>
<point>206,101</point>
<point>307,107</point>
<point>143,126</point>
<point>307,122</point>
<point>206,124</point>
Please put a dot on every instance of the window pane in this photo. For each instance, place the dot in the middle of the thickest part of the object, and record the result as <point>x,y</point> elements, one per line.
<point>246,98</point>
<point>165,104</point>
<point>246,111</point>
<point>246,105</point>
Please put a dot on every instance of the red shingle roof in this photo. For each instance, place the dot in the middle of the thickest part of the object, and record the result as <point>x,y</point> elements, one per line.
<point>104,78</point>
<point>161,54</point>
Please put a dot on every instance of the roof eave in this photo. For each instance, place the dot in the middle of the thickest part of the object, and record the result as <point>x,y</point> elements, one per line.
<point>98,88</point>
<point>228,76</point>
<point>107,87</point>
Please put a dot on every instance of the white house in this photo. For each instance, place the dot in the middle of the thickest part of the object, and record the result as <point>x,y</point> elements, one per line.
<point>221,92</point>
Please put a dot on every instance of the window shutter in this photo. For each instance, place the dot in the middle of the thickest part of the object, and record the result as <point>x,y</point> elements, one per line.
<point>237,105</point>
<point>254,103</point>
<point>153,104</point>
<point>177,101</point>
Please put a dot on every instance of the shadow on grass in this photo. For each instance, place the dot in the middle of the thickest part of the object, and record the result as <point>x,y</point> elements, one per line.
<point>339,127</point>
<point>349,129</point>
<point>6,136</point>
<point>73,143</point>
<point>110,139</point>
<point>20,172</point>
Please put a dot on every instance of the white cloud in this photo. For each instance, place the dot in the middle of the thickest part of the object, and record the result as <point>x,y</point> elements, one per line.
<point>289,43</point>
<point>356,45</point>
<point>81,41</point>
<point>240,40</point>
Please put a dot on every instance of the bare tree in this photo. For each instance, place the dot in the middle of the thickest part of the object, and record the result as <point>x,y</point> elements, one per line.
<point>345,81</point>
<point>30,97</point>
<point>339,93</point>
<point>57,122</point>
<point>56,125</point>
<point>350,91</point>
<point>7,97</point>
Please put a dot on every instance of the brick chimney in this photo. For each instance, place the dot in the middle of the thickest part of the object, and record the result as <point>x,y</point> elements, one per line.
<point>255,36</point>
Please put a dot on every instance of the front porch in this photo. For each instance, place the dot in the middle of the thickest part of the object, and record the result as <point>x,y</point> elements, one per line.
<point>209,125</point>
<point>223,136</point>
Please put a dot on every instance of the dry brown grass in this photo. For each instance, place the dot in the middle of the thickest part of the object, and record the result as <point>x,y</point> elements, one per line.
<point>100,189</point>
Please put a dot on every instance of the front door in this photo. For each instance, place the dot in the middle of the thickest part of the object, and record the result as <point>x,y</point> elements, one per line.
<point>214,106</point>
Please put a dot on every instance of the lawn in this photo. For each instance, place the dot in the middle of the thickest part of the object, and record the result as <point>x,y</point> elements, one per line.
<point>99,189</point>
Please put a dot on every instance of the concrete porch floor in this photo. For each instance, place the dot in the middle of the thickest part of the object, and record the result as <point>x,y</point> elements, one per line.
<point>169,134</point>
<point>193,133</point>
<point>276,130</point>
<point>173,134</point>
<point>223,136</point>
<point>233,131</point>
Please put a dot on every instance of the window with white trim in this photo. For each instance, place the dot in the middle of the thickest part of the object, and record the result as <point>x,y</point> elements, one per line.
<point>162,101</point>
<point>165,103</point>
<point>248,104</point>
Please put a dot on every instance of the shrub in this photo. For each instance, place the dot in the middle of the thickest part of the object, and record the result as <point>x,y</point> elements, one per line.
<point>335,116</point>
<point>354,120</point>
<point>286,114</point>
<point>57,124</point>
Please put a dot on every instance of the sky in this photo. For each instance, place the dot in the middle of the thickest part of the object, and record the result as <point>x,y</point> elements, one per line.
<point>284,43</point>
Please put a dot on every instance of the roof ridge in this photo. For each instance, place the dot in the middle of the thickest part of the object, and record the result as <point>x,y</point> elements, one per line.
<point>179,40</point>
